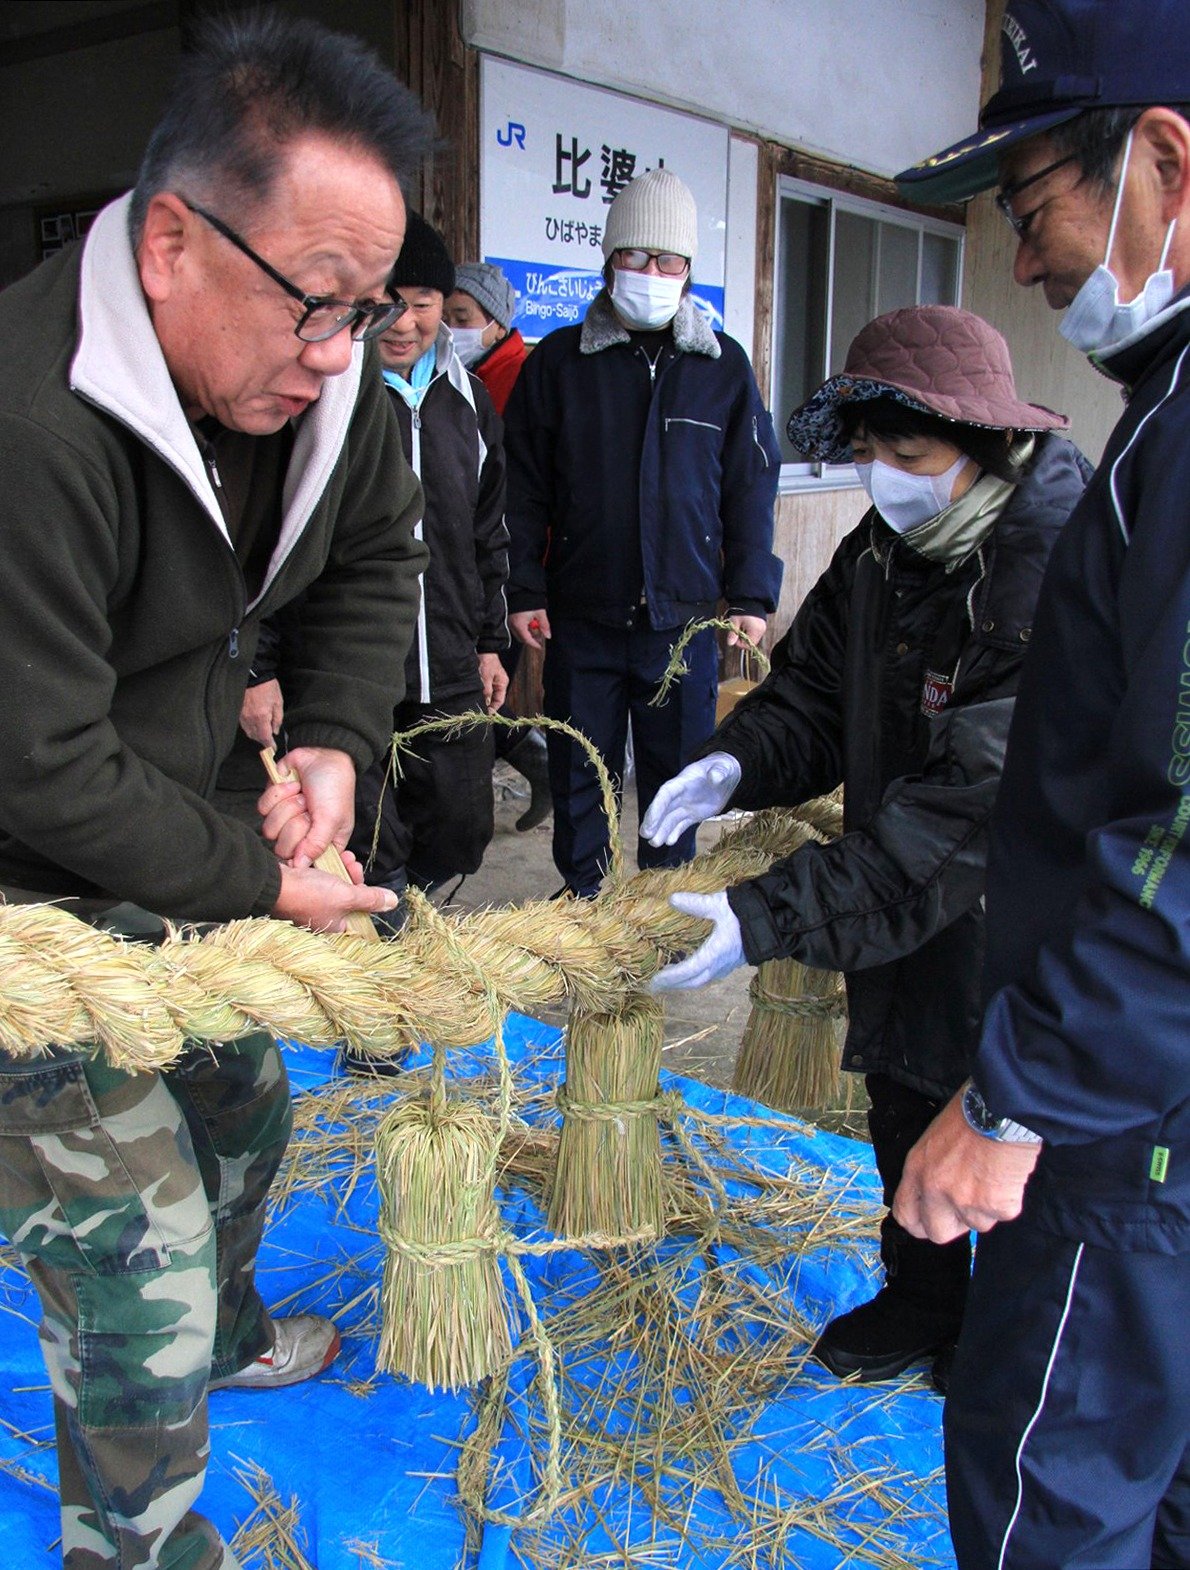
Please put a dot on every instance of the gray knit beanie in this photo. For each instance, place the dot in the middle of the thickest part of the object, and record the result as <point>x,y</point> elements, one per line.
<point>489,288</point>
<point>655,212</point>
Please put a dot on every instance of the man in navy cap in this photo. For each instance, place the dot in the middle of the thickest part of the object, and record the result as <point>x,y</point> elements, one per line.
<point>1068,1421</point>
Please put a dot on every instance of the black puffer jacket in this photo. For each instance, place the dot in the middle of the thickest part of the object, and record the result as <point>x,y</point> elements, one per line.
<point>897,680</point>
<point>454,445</point>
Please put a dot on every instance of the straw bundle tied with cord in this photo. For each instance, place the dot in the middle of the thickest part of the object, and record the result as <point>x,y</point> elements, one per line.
<point>608,1177</point>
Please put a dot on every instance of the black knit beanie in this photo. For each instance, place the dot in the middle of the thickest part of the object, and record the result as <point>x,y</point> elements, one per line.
<point>424,262</point>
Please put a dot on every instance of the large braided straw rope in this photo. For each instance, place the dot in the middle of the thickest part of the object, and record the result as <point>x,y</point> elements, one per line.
<point>64,983</point>
<point>447,979</point>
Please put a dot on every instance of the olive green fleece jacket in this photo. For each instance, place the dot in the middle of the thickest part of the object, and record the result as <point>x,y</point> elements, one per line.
<point>125,633</point>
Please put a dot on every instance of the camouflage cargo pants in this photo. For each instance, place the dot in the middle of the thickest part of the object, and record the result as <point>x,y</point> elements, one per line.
<point>137,1203</point>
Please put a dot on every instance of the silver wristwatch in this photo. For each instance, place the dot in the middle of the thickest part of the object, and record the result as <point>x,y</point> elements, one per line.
<point>988,1126</point>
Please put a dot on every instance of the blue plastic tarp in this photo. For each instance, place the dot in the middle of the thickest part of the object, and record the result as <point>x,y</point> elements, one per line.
<point>371,1459</point>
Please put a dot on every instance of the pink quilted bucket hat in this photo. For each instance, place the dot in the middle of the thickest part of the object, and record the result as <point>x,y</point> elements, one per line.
<point>935,358</point>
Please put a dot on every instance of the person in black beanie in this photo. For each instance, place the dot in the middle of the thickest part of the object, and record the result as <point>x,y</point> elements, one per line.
<point>436,820</point>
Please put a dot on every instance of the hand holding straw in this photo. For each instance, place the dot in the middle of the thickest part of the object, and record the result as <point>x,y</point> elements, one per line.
<point>358,921</point>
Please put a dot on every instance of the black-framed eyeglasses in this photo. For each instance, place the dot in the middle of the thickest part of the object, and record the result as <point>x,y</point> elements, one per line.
<point>1008,194</point>
<point>322,315</point>
<point>668,262</point>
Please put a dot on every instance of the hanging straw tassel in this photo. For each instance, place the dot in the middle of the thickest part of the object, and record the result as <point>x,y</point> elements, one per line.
<point>608,1177</point>
<point>790,1054</point>
<point>789,1057</point>
<point>445,1315</point>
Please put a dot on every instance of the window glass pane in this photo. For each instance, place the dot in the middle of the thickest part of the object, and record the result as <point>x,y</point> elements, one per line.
<point>939,270</point>
<point>879,264</point>
<point>896,282</point>
<point>855,282</point>
<point>801,291</point>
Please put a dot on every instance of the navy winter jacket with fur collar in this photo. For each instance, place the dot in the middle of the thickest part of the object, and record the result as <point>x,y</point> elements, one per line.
<point>640,464</point>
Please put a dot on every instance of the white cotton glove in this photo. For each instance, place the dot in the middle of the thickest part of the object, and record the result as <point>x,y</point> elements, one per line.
<point>700,791</point>
<point>720,953</point>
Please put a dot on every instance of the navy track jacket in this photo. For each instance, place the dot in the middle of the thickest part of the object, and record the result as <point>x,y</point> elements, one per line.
<point>1087,1034</point>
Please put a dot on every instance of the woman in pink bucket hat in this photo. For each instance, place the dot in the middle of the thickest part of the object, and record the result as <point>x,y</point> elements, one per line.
<point>896,680</point>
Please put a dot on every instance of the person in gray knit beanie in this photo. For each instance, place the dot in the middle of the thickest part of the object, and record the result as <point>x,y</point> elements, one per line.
<point>649,241</point>
<point>654,212</point>
<point>490,290</point>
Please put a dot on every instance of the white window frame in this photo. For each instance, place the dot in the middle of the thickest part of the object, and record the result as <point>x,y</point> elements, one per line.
<point>801,477</point>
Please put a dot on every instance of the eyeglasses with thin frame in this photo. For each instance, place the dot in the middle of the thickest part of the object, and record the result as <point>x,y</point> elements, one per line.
<point>1009,193</point>
<point>668,262</point>
<point>322,315</point>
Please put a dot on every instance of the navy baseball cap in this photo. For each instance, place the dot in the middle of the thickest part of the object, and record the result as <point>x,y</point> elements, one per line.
<point>1058,58</point>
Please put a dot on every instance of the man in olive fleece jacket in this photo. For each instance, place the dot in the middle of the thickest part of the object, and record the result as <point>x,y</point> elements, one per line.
<point>128,626</point>
<point>190,438</point>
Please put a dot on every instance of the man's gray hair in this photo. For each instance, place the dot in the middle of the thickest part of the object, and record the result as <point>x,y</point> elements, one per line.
<point>250,85</point>
<point>1095,139</point>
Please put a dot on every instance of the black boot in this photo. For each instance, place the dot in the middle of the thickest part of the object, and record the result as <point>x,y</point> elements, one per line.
<point>917,1313</point>
<point>941,1369</point>
<point>528,756</point>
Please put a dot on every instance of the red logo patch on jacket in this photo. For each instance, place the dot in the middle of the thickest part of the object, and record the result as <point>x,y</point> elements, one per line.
<point>936,693</point>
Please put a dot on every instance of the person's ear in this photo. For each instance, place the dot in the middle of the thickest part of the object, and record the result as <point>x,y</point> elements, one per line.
<point>1166,135</point>
<point>162,245</point>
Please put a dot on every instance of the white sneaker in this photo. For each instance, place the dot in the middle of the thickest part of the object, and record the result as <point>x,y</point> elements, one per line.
<point>302,1347</point>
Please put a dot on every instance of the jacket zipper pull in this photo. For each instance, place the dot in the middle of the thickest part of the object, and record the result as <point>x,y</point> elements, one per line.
<point>652,364</point>
<point>209,456</point>
<point>233,644</point>
<point>416,413</point>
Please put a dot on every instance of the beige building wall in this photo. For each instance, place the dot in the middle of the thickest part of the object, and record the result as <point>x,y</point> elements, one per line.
<point>1048,370</point>
<point>809,525</point>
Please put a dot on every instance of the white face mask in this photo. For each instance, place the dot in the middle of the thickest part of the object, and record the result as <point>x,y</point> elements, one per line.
<point>469,344</point>
<point>646,301</point>
<point>1095,320</point>
<point>903,500</point>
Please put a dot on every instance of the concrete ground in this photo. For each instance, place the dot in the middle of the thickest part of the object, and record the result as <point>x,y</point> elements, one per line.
<point>703,1027</point>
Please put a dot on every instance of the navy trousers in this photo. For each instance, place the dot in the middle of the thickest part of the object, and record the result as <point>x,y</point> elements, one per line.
<point>598,678</point>
<point>1068,1419</point>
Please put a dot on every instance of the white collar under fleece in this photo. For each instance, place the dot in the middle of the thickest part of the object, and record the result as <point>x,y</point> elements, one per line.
<point>119,367</point>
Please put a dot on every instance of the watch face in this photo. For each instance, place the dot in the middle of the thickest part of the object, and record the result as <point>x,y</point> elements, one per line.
<point>977,1111</point>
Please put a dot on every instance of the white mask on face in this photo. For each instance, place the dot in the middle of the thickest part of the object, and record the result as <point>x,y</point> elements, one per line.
<point>469,344</point>
<point>903,500</point>
<point>646,301</point>
<point>1095,320</point>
